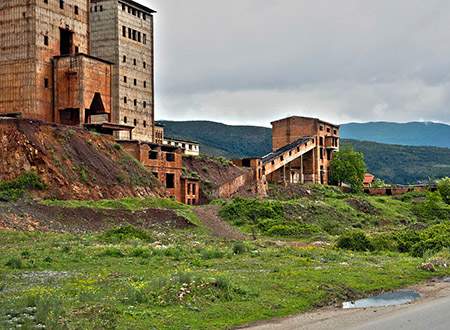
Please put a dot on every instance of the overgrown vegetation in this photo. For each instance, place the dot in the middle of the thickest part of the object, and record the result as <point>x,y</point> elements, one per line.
<point>122,278</point>
<point>14,189</point>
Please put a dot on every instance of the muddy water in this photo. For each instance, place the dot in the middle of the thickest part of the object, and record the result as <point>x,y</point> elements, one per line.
<point>384,299</point>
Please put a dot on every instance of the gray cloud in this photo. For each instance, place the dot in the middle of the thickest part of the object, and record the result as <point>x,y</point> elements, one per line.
<point>252,61</point>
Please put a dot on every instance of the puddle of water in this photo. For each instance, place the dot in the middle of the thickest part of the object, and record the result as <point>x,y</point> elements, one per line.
<point>384,299</point>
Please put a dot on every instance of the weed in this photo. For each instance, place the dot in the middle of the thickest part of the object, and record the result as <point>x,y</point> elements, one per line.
<point>14,189</point>
<point>355,241</point>
<point>211,254</point>
<point>239,248</point>
<point>112,252</point>
<point>125,233</point>
<point>15,263</point>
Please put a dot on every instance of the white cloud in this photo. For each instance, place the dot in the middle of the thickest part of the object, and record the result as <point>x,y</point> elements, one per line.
<point>252,61</point>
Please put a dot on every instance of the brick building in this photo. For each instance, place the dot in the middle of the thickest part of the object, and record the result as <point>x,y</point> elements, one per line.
<point>308,144</point>
<point>122,32</point>
<point>166,163</point>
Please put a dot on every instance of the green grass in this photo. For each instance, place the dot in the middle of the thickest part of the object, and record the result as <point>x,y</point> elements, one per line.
<point>11,190</point>
<point>131,204</point>
<point>184,280</point>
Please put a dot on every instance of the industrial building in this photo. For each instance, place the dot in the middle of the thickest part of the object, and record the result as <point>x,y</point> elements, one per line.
<point>121,31</point>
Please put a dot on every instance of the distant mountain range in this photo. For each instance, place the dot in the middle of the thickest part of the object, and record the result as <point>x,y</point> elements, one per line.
<point>413,134</point>
<point>393,163</point>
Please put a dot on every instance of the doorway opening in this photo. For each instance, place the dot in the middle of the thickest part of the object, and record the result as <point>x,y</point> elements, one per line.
<point>65,41</point>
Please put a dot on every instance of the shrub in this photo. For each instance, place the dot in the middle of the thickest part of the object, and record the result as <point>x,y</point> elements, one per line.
<point>355,241</point>
<point>239,248</point>
<point>443,186</point>
<point>432,209</point>
<point>14,189</point>
<point>124,233</point>
<point>211,254</point>
<point>112,252</point>
<point>405,240</point>
<point>14,263</point>
<point>294,230</point>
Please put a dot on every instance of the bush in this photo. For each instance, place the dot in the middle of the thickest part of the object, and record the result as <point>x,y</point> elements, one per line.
<point>15,263</point>
<point>112,252</point>
<point>239,248</point>
<point>443,186</point>
<point>432,209</point>
<point>211,254</point>
<point>355,241</point>
<point>297,230</point>
<point>12,190</point>
<point>125,233</point>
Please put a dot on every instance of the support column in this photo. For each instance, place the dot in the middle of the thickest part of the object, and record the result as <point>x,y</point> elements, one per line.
<point>302,178</point>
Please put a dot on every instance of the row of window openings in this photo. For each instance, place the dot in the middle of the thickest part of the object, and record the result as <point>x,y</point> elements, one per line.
<point>124,60</point>
<point>135,35</point>
<point>125,80</point>
<point>134,12</point>
<point>328,129</point>
<point>99,8</point>
<point>135,102</point>
<point>135,122</point>
<point>153,155</point>
<point>61,6</point>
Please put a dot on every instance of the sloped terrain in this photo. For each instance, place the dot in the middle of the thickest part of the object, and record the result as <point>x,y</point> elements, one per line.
<point>213,173</point>
<point>72,163</point>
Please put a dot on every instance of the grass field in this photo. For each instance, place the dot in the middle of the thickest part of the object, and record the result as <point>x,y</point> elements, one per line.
<point>130,279</point>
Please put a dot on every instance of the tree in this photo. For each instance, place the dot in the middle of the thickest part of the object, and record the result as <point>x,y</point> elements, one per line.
<point>348,167</point>
<point>443,186</point>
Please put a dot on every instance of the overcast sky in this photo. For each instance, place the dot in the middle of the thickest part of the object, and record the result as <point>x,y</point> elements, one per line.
<point>254,61</point>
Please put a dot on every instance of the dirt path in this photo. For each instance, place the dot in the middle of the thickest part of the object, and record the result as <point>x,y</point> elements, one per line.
<point>209,216</point>
<point>435,296</point>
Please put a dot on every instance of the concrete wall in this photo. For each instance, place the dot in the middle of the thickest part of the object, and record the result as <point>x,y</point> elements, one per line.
<point>133,59</point>
<point>24,25</point>
<point>78,79</point>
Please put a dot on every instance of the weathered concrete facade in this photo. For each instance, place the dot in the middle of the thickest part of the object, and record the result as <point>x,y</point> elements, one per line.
<point>313,165</point>
<point>122,32</point>
<point>31,33</point>
<point>82,90</point>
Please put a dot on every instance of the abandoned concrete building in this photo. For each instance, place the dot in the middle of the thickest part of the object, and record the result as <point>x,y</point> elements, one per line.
<point>121,31</point>
<point>166,163</point>
<point>302,150</point>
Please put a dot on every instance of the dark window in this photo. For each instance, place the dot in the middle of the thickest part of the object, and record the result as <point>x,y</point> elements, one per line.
<point>321,153</point>
<point>125,99</point>
<point>281,158</point>
<point>125,119</point>
<point>135,102</point>
<point>139,36</point>
<point>321,141</point>
<point>145,84</point>
<point>124,79</point>
<point>101,8</point>
<point>124,31</point>
<point>139,14</point>
<point>95,8</point>
<point>129,33</point>
<point>65,42</point>
<point>134,12</point>
<point>129,10</point>
<point>45,1</point>
<point>46,40</point>
<point>144,65</point>
<point>328,130</point>
<point>134,34</point>
<point>145,122</point>
<point>321,127</point>
<point>46,82</point>
<point>170,180</point>
<point>124,59</point>
<point>335,132</point>
<point>123,7</point>
<point>75,8</point>
<point>135,82</point>
<point>135,122</point>
<point>144,104</point>
<point>61,4</point>
<point>144,17</point>
<point>134,61</point>
<point>77,50</point>
<point>170,157</point>
<point>144,38</point>
<point>153,154</point>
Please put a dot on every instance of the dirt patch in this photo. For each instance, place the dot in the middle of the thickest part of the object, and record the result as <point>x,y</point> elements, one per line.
<point>209,215</point>
<point>362,206</point>
<point>72,162</point>
<point>30,216</point>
